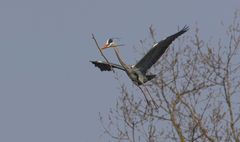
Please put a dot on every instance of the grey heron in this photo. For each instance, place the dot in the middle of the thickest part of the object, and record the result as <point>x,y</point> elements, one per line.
<point>138,72</point>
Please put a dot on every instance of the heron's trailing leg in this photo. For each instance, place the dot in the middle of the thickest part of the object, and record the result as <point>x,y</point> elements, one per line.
<point>141,79</point>
<point>149,103</point>
<point>151,97</point>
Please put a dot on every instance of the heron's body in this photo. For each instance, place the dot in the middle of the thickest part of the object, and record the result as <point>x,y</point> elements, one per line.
<point>137,72</point>
<point>133,73</point>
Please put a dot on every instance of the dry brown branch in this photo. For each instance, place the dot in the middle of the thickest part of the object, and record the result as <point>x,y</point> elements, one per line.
<point>99,49</point>
<point>197,90</point>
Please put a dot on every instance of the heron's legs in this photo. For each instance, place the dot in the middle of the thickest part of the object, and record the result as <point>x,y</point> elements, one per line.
<point>151,97</point>
<point>144,96</point>
<point>148,102</point>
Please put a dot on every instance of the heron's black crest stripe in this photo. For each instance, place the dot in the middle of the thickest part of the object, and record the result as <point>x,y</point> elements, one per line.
<point>110,41</point>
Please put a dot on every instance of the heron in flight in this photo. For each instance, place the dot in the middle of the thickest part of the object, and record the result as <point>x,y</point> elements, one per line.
<point>138,72</point>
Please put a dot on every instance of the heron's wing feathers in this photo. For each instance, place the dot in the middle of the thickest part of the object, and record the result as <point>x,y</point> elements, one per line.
<point>157,51</point>
<point>104,66</point>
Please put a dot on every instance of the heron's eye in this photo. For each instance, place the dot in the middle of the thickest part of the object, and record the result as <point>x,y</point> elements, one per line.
<point>109,41</point>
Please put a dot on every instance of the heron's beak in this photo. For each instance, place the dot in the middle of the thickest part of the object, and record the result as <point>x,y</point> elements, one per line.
<point>108,45</point>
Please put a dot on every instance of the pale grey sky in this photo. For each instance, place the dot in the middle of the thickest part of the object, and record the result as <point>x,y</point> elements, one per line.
<point>49,92</point>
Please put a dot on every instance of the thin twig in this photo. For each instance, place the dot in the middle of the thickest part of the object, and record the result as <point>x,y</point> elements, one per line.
<point>93,37</point>
<point>152,33</point>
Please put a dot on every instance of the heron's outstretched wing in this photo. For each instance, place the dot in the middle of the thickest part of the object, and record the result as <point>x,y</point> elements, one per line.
<point>157,51</point>
<point>104,66</point>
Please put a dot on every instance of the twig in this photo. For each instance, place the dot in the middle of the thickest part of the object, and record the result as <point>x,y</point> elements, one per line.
<point>93,37</point>
<point>152,33</point>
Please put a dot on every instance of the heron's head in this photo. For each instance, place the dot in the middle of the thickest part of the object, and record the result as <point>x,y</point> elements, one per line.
<point>109,43</point>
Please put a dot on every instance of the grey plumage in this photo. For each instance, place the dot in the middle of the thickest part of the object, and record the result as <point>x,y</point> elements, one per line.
<point>137,73</point>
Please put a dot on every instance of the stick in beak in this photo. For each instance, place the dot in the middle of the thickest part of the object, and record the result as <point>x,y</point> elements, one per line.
<point>110,44</point>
